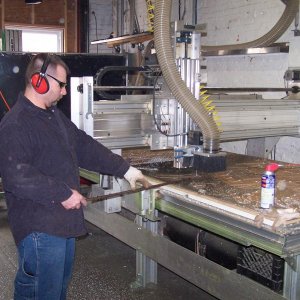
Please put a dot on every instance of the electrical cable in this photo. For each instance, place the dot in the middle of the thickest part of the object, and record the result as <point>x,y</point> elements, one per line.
<point>184,10</point>
<point>154,119</point>
<point>286,86</point>
<point>4,101</point>
<point>96,24</point>
<point>195,12</point>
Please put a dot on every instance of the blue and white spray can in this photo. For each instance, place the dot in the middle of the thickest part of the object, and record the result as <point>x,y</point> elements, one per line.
<point>268,186</point>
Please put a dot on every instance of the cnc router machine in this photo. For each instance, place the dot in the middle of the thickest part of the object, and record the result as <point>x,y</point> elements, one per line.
<point>202,218</point>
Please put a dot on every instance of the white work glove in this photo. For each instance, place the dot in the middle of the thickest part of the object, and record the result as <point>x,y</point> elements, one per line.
<point>133,175</point>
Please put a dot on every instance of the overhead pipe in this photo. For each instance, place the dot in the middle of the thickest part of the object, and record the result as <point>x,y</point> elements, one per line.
<point>166,59</point>
<point>289,14</point>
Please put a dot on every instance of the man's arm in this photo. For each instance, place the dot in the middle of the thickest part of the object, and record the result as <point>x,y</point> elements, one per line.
<point>94,156</point>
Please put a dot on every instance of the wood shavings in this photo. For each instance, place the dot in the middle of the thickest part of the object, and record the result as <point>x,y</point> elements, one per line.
<point>280,217</point>
<point>281,185</point>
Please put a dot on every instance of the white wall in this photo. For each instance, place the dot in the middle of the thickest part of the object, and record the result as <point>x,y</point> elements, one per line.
<point>239,21</point>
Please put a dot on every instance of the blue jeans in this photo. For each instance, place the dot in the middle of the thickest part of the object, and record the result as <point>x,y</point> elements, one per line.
<point>45,267</point>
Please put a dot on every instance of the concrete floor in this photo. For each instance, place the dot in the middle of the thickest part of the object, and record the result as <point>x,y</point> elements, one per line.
<point>104,269</point>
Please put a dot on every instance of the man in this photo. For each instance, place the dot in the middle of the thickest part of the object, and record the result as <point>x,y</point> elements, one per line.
<point>41,151</point>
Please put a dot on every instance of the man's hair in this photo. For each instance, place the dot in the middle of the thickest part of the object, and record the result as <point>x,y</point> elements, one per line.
<point>37,61</point>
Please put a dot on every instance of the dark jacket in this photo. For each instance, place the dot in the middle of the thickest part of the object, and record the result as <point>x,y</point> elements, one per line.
<point>40,153</point>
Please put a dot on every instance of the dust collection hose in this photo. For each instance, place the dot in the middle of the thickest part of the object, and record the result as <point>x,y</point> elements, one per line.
<point>197,112</point>
<point>165,56</point>
<point>289,14</point>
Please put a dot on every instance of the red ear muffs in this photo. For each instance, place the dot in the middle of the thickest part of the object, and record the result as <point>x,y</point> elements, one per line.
<point>40,83</point>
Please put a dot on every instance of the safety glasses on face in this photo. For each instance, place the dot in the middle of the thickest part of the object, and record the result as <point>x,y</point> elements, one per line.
<point>61,84</point>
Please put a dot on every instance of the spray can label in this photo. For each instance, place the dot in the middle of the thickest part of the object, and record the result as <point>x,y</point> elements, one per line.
<point>267,190</point>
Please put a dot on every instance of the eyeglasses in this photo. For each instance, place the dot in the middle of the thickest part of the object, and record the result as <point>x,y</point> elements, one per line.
<point>61,84</point>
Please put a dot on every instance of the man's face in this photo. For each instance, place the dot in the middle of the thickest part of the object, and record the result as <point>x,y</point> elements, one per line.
<point>57,85</point>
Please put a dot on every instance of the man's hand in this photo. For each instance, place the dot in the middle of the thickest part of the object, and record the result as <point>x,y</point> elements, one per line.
<point>133,175</point>
<point>75,201</point>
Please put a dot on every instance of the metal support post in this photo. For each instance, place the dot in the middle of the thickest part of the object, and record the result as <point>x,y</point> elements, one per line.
<point>291,289</point>
<point>146,268</point>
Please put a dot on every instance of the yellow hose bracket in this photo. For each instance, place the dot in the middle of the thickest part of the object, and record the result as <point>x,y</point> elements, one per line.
<point>209,107</point>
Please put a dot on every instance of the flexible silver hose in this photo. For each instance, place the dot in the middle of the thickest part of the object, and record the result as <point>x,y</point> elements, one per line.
<point>183,95</point>
<point>289,14</point>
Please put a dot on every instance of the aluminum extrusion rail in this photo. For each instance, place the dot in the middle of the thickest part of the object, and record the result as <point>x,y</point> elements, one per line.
<point>294,89</point>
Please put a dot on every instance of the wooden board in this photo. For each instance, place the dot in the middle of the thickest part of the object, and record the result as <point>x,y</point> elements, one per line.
<point>133,39</point>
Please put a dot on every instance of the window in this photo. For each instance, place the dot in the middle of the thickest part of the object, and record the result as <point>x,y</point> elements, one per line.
<point>42,40</point>
<point>34,40</point>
